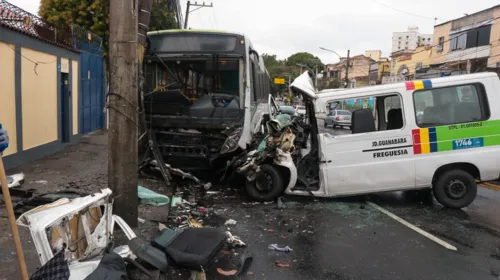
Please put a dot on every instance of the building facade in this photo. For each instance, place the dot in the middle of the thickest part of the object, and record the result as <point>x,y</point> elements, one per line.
<point>468,44</point>
<point>410,40</point>
<point>42,86</point>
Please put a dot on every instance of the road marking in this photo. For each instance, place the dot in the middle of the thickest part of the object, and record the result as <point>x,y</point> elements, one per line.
<point>490,186</point>
<point>415,228</point>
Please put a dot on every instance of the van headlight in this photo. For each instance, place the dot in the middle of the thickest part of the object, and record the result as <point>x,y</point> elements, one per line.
<point>231,143</point>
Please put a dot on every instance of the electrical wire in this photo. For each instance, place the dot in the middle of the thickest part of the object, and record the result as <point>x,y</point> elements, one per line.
<point>404,12</point>
<point>36,63</point>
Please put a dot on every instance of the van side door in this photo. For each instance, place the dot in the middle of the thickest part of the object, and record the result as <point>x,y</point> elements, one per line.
<point>379,158</point>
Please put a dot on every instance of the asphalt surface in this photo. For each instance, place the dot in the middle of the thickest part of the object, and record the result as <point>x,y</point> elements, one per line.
<point>331,238</point>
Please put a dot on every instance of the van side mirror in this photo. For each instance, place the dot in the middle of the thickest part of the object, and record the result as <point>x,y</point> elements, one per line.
<point>362,121</point>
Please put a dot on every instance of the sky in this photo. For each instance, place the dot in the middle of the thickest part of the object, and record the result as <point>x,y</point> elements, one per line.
<point>284,27</point>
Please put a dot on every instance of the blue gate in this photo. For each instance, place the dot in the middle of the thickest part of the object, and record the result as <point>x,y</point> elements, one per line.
<point>92,95</point>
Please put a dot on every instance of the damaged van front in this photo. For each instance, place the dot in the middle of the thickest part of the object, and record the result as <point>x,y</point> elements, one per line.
<point>286,159</point>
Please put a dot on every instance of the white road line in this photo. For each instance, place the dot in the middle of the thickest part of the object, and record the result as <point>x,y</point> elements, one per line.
<point>415,228</point>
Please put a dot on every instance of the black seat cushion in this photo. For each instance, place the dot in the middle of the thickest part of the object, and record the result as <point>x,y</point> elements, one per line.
<point>196,247</point>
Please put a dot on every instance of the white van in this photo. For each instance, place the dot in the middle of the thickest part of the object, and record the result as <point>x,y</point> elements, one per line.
<point>440,133</point>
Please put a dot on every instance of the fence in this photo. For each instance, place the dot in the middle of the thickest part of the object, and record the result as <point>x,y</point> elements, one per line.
<point>18,19</point>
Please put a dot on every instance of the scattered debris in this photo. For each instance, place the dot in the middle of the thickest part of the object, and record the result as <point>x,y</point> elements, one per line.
<point>176,200</point>
<point>269,230</point>
<point>281,264</point>
<point>235,241</point>
<point>194,223</point>
<point>275,247</point>
<point>284,236</point>
<point>15,180</point>
<point>43,182</point>
<point>161,226</point>
<point>227,272</point>
<point>225,252</point>
<point>182,174</point>
<point>198,275</point>
<point>149,197</point>
<point>250,273</point>
<point>230,222</point>
<point>212,192</point>
<point>141,220</point>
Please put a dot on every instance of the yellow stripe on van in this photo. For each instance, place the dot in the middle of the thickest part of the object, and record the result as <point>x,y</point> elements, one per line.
<point>424,140</point>
<point>419,85</point>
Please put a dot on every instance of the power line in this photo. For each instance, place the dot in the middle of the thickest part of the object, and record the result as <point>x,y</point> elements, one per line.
<point>404,12</point>
<point>36,63</point>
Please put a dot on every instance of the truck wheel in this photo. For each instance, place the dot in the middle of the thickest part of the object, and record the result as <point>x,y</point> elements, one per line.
<point>268,185</point>
<point>455,189</point>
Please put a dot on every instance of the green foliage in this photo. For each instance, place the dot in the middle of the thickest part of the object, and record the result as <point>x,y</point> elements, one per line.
<point>89,14</point>
<point>162,18</point>
<point>306,59</point>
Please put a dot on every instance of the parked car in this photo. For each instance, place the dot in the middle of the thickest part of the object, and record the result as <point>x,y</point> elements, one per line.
<point>338,118</point>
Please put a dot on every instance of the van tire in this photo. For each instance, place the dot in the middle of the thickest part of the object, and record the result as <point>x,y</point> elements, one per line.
<point>455,189</point>
<point>272,176</point>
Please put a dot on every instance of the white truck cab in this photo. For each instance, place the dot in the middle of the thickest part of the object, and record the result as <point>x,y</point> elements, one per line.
<point>441,133</point>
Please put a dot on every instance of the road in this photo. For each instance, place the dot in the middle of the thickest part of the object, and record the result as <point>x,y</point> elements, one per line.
<point>331,238</point>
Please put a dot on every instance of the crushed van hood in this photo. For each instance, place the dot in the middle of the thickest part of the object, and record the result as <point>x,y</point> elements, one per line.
<point>305,84</point>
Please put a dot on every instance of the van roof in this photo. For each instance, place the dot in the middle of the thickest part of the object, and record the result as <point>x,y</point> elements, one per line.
<point>353,92</point>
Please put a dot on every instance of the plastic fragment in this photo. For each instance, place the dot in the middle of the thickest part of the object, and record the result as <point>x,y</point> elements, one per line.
<point>227,272</point>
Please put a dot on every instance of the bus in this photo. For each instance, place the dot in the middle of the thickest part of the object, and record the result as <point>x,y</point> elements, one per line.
<point>201,91</point>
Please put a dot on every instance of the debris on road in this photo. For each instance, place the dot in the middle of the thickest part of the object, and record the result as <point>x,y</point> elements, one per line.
<point>227,272</point>
<point>235,241</point>
<point>230,222</point>
<point>15,180</point>
<point>149,197</point>
<point>281,264</point>
<point>194,223</point>
<point>275,247</point>
<point>182,174</point>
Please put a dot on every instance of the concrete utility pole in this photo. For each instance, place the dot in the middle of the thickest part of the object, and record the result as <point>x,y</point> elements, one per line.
<point>122,135</point>
<point>194,5</point>
<point>347,69</point>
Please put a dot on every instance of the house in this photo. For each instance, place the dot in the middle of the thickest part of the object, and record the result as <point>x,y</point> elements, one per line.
<point>405,63</point>
<point>467,44</point>
<point>51,93</point>
<point>379,70</point>
<point>410,40</point>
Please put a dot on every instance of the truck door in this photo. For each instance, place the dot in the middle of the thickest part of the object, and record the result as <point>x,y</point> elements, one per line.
<point>377,155</point>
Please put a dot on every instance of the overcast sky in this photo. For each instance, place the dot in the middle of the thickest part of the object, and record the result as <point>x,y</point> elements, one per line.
<point>284,27</point>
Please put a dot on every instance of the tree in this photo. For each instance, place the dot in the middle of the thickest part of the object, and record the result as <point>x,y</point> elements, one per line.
<point>162,18</point>
<point>305,58</point>
<point>93,15</point>
<point>89,14</point>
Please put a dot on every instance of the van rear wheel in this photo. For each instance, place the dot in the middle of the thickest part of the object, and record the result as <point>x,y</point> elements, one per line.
<point>455,189</point>
<point>268,184</point>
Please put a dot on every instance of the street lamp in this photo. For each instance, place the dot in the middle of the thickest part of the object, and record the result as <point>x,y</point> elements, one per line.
<point>347,63</point>
<point>328,50</point>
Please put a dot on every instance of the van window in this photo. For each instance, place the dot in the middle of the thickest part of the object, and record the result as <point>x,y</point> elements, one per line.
<point>450,105</point>
<point>391,102</point>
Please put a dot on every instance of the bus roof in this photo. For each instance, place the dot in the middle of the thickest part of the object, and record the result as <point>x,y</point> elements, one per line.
<point>172,31</point>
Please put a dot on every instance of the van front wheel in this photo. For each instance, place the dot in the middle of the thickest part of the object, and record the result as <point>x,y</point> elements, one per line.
<point>455,189</point>
<point>268,184</point>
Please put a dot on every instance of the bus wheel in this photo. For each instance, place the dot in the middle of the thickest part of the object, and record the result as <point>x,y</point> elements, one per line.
<point>455,189</point>
<point>268,184</point>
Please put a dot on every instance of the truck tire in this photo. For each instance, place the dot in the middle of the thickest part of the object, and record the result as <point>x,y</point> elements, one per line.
<point>455,189</point>
<point>268,185</point>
